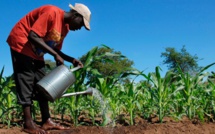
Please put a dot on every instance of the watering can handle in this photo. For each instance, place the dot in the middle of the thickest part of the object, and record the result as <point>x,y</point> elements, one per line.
<point>74,69</point>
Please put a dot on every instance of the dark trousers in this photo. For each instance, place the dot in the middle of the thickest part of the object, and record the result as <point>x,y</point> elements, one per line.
<point>27,72</point>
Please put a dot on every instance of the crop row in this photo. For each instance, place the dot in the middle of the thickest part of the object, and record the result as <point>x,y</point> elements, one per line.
<point>174,95</point>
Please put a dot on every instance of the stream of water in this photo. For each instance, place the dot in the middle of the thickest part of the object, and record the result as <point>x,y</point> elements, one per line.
<point>104,108</point>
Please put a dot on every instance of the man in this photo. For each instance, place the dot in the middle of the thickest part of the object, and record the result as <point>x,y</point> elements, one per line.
<point>41,31</point>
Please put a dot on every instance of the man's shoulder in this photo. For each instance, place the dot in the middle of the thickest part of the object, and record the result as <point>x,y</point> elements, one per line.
<point>50,8</point>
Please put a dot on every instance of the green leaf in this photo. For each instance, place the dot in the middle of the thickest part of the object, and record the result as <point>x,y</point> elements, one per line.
<point>114,55</point>
<point>130,90</point>
<point>105,46</point>
<point>2,71</point>
<point>90,55</point>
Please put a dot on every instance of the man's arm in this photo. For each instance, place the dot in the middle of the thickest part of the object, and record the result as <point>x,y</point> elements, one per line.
<point>39,42</point>
<point>70,59</point>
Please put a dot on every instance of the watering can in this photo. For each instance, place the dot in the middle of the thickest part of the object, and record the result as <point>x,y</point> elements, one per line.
<point>55,83</point>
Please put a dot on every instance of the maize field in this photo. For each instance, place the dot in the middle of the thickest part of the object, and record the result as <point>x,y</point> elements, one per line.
<point>154,99</point>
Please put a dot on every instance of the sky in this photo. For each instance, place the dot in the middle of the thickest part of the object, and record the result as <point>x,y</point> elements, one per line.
<point>139,29</point>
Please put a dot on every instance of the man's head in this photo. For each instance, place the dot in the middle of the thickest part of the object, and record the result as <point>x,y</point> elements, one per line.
<point>81,16</point>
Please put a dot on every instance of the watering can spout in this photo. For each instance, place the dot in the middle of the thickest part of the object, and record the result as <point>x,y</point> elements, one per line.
<point>89,91</point>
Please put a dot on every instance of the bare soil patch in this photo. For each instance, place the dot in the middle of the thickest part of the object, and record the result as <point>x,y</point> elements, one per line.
<point>169,126</point>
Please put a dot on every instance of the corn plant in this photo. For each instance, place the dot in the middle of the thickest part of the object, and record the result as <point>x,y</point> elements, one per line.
<point>130,100</point>
<point>161,91</point>
<point>190,85</point>
<point>93,108</point>
<point>176,109</point>
<point>209,99</point>
<point>104,85</point>
<point>204,97</point>
<point>115,102</point>
<point>131,93</point>
<point>145,99</point>
<point>7,98</point>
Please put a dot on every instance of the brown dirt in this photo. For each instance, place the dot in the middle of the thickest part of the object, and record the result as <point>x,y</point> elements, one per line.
<point>169,126</point>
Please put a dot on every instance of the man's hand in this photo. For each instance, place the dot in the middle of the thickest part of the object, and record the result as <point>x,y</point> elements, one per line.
<point>77,63</point>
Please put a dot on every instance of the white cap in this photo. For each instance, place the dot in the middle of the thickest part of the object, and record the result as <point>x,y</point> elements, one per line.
<point>84,11</point>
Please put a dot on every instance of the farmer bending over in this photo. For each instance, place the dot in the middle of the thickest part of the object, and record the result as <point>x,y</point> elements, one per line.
<point>41,31</point>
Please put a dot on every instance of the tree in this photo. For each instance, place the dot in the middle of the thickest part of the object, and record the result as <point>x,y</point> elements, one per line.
<point>183,59</point>
<point>111,65</point>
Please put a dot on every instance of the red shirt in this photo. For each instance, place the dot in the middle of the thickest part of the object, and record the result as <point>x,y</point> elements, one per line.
<point>47,22</point>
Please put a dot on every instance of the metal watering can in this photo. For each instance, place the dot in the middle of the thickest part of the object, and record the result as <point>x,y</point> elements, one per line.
<point>54,84</point>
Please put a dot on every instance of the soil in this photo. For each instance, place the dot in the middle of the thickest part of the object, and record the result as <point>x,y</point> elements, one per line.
<point>141,126</point>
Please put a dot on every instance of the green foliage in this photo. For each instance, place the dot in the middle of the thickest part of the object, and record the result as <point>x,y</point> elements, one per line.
<point>187,62</point>
<point>211,77</point>
<point>108,62</point>
<point>162,91</point>
<point>49,65</point>
<point>8,105</point>
<point>190,85</point>
<point>176,94</point>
